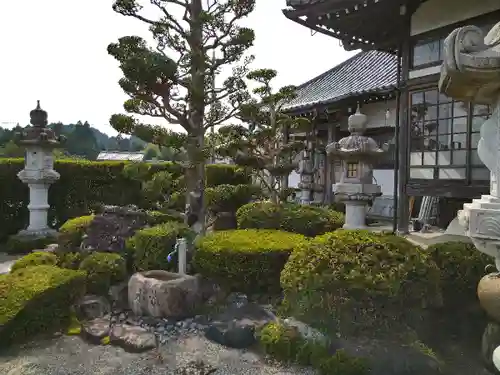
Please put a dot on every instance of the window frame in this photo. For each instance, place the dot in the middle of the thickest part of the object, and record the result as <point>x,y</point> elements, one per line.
<point>468,147</point>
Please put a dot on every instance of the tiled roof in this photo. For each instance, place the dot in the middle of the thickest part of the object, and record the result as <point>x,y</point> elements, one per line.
<point>366,72</point>
<point>120,156</point>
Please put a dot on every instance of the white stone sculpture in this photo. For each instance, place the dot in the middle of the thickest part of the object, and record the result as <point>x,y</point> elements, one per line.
<point>356,188</point>
<point>471,73</point>
<point>38,173</point>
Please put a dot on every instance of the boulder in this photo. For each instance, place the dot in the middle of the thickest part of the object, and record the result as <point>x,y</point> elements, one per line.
<point>95,330</point>
<point>490,341</point>
<point>133,339</point>
<point>163,294</point>
<point>235,327</point>
<point>109,230</point>
<point>92,307</point>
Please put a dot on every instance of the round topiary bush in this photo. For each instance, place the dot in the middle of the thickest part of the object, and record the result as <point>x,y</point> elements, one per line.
<point>37,299</point>
<point>150,247</point>
<point>349,281</point>
<point>36,258</point>
<point>103,270</point>
<point>72,231</point>
<point>307,220</point>
<point>461,266</point>
<point>248,260</point>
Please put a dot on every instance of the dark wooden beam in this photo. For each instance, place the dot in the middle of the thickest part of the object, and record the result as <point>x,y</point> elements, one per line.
<point>447,188</point>
<point>326,7</point>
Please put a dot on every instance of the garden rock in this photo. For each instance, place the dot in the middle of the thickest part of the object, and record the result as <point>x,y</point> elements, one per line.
<point>92,307</point>
<point>306,331</point>
<point>132,338</point>
<point>119,295</point>
<point>109,231</point>
<point>95,330</point>
<point>235,327</point>
<point>163,294</point>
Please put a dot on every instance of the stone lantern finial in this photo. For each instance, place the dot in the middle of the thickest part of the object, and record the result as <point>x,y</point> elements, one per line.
<point>356,123</point>
<point>38,117</point>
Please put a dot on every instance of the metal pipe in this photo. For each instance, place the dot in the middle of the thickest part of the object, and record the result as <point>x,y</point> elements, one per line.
<point>397,126</point>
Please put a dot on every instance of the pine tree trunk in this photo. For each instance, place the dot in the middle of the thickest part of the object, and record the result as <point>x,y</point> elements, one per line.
<point>195,173</point>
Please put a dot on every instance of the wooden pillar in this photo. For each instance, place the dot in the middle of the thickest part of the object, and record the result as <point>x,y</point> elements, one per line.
<point>329,166</point>
<point>286,139</point>
<point>403,139</point>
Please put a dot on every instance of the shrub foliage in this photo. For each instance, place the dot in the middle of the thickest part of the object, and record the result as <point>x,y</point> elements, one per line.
<point>285,343</point>
<point>36,258</point>
<point>248,260</point>
<point>307,220</point>
<point>461,266</point>
<point>37,299</point>
<point>150,247</point>
<point>353,280</point>
<point>103,270</point>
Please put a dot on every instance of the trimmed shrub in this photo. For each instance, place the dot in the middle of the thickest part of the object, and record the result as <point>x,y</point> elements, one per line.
<point>247,260</point>
<point>103,270</point>
<point>72,231</point>
<point>350,281</point>
<point>307,220</point>
<point>461,266</point>
<point>37,299</point>
<point>69,260</point>
<point>219,174</point>
<point>37,258</point>
<point>23,245</point>
<point>150,247</point>
<point>285,344</point>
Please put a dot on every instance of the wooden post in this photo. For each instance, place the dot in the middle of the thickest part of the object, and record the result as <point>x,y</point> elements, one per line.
<point>182,255</point>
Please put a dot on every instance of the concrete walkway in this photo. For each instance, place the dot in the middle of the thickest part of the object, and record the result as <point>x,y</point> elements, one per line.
<point>6,262</point>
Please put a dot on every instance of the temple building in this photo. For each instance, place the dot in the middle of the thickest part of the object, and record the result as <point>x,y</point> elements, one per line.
<point>367,80</point>
<point>437,137</point>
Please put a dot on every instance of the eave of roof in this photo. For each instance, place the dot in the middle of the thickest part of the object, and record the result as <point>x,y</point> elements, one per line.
<point>369,72</point>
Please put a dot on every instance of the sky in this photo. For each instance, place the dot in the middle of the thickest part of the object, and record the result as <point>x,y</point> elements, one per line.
<point>55,51</point>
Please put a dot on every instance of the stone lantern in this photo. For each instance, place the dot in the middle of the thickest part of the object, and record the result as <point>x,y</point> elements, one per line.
<point>471,73</point>
<point>38,173</point>
<point>356,188</point>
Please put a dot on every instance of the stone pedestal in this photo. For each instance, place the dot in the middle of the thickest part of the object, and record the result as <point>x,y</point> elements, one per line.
<point>355,215</point>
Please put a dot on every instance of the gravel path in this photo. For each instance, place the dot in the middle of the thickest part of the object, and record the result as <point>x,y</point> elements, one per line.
<point>71,356</point>
<point>6,262</point>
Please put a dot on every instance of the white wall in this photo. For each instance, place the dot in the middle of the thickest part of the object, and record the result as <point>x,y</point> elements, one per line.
<point>384,178</point>
<point>434,14</point>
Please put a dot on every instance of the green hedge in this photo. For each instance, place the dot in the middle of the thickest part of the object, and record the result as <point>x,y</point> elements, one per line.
<point>285,344</point>
<point>23,245</point>
<point>37,258</point>
<point>247,260</point>
<point>150,247</point>
<point>83,186</point>
<point>37,299</point>
<point>352,281</point>
<point>307,220</point>
<point>461,266</point>
<point>103,270</point>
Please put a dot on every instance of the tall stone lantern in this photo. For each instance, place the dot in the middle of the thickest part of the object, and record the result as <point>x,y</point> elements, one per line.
<point>471,73</point>
<point>356,188</point>
<point>38,173</point>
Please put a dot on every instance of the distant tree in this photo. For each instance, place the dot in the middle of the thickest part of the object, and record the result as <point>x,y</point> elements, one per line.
<point>261,144</point>
<point>11,150</point>
<point>82,142</point>
<point>194,41</point>
<point>151,152</point>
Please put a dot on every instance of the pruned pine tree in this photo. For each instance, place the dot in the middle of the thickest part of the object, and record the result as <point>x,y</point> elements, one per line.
<point>262,143</point>
<point>173,80</point>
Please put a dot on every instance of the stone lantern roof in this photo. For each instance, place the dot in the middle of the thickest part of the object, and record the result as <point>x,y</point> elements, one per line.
<point>39,134</point>
<point>355,146</point>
